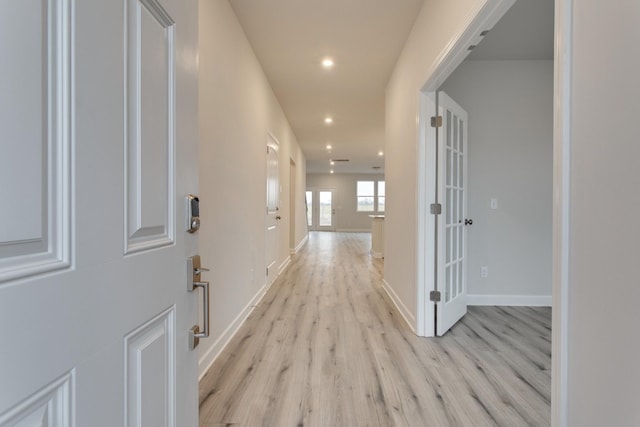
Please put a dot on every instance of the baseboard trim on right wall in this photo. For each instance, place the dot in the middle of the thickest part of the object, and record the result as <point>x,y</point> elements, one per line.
<point>519,300</point>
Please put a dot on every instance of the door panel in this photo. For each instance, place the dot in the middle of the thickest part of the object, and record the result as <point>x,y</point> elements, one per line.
<point>85,306</point>
<point>452,188</point>
<point>273,209</point>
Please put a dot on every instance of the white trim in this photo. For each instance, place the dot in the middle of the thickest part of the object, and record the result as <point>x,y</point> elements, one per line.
<point>227,335</point>
<point>561,210</point>
<point>376,254</point>
<point>483,16</point>
<point>404,312</point>
<point>210,356</point>
<point>283,266</point>
<point>516,300</point>
<point>303,242</point>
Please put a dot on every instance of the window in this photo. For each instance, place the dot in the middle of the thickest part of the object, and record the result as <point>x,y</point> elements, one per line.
<point>370,196</point>
<point>366,196</point>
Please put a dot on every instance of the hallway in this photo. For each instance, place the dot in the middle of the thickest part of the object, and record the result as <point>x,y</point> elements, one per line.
<point>326,347</point>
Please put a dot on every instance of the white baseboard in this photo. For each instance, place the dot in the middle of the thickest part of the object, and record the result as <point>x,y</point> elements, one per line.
<point>210,356</point>
<point>303,242</point>
<point>284,265</point>
<point>354,230</point>
<point>406,314</point>
<point>519,300</point>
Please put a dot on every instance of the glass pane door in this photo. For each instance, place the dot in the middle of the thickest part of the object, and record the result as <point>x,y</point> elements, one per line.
<point>326,209</point>
<point>321,211</point>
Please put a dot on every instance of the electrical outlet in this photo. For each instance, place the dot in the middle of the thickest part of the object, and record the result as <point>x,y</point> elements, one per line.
<point>484,272</point>
<point>494,203</point>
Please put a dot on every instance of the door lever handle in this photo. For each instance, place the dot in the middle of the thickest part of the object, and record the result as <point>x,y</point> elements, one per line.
<point>195,334</point>
<point>193,281</point>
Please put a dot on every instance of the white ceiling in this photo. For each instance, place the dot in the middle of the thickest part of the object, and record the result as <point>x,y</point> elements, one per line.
<point>364,37</point>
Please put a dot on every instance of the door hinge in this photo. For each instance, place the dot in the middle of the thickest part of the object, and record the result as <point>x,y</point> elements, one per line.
<point>436,121</point>
<point>436,208</point>
<point>434,296</point>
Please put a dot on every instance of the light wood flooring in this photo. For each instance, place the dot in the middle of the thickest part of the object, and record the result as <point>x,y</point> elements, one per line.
<point>326,347</point>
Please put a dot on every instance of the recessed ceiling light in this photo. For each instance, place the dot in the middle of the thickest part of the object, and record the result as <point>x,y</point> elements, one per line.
<point>380,153</point>
<point>329,147</point>
<point>332,162</point>
<point>328,120</point>
<point>327,63</point>
<point>331,170</point>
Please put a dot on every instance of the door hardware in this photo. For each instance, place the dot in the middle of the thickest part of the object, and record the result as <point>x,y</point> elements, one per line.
<point>194,270</point>
<point>468,222</point>
<point>193,213</point>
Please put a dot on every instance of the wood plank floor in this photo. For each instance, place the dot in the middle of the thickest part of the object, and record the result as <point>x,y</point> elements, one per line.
<point>326,347</point>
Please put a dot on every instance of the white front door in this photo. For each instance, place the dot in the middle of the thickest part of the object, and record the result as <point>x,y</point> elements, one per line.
<point>98,151</point>
<point>273,209</point>
<point>452,192</point>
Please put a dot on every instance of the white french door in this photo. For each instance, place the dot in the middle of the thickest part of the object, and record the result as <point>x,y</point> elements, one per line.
<point>273,216</point>
<point>451,229</point>
<point>321,210</point>
<point>98,151</point>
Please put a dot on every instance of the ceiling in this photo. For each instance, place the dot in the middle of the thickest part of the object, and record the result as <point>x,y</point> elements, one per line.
<point>364,38</point>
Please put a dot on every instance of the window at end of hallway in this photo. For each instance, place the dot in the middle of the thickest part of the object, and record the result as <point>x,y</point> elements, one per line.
<point>370,196</point>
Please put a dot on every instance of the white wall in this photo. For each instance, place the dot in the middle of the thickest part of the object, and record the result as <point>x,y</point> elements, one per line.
<point>347,217</point>
<point>438,23</point>
<point>604,282</point>
<point>510,128</point>
<point>237,109</point>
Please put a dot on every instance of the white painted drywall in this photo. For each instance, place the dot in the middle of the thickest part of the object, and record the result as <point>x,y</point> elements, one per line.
<point>237,109</point>
<point>437,25</point>
<point>510,128</point>
<point>347,217</point>
<point>604,282</point>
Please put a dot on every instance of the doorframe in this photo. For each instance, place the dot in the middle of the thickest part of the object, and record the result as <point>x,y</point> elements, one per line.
<point>485,16</point>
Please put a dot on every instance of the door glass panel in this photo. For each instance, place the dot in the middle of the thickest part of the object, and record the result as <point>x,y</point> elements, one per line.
<point>448,175</point>
<point>325,209</point>
<point>454,241</point>
<point>447,285</point>
<point>455,132</point>
<point>454,172</point>
<point>448,243</point>
<point>309,199</point>
<point>449,206</point>
<point>448,138</point>
<point>461,132</point>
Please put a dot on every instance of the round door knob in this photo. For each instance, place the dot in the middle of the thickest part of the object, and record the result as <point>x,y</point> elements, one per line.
<point>468,222</point>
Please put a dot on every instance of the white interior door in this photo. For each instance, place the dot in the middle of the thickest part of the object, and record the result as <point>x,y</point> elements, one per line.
<point>98,123</point>
<point>452,236</point>
<point>273,209</point>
